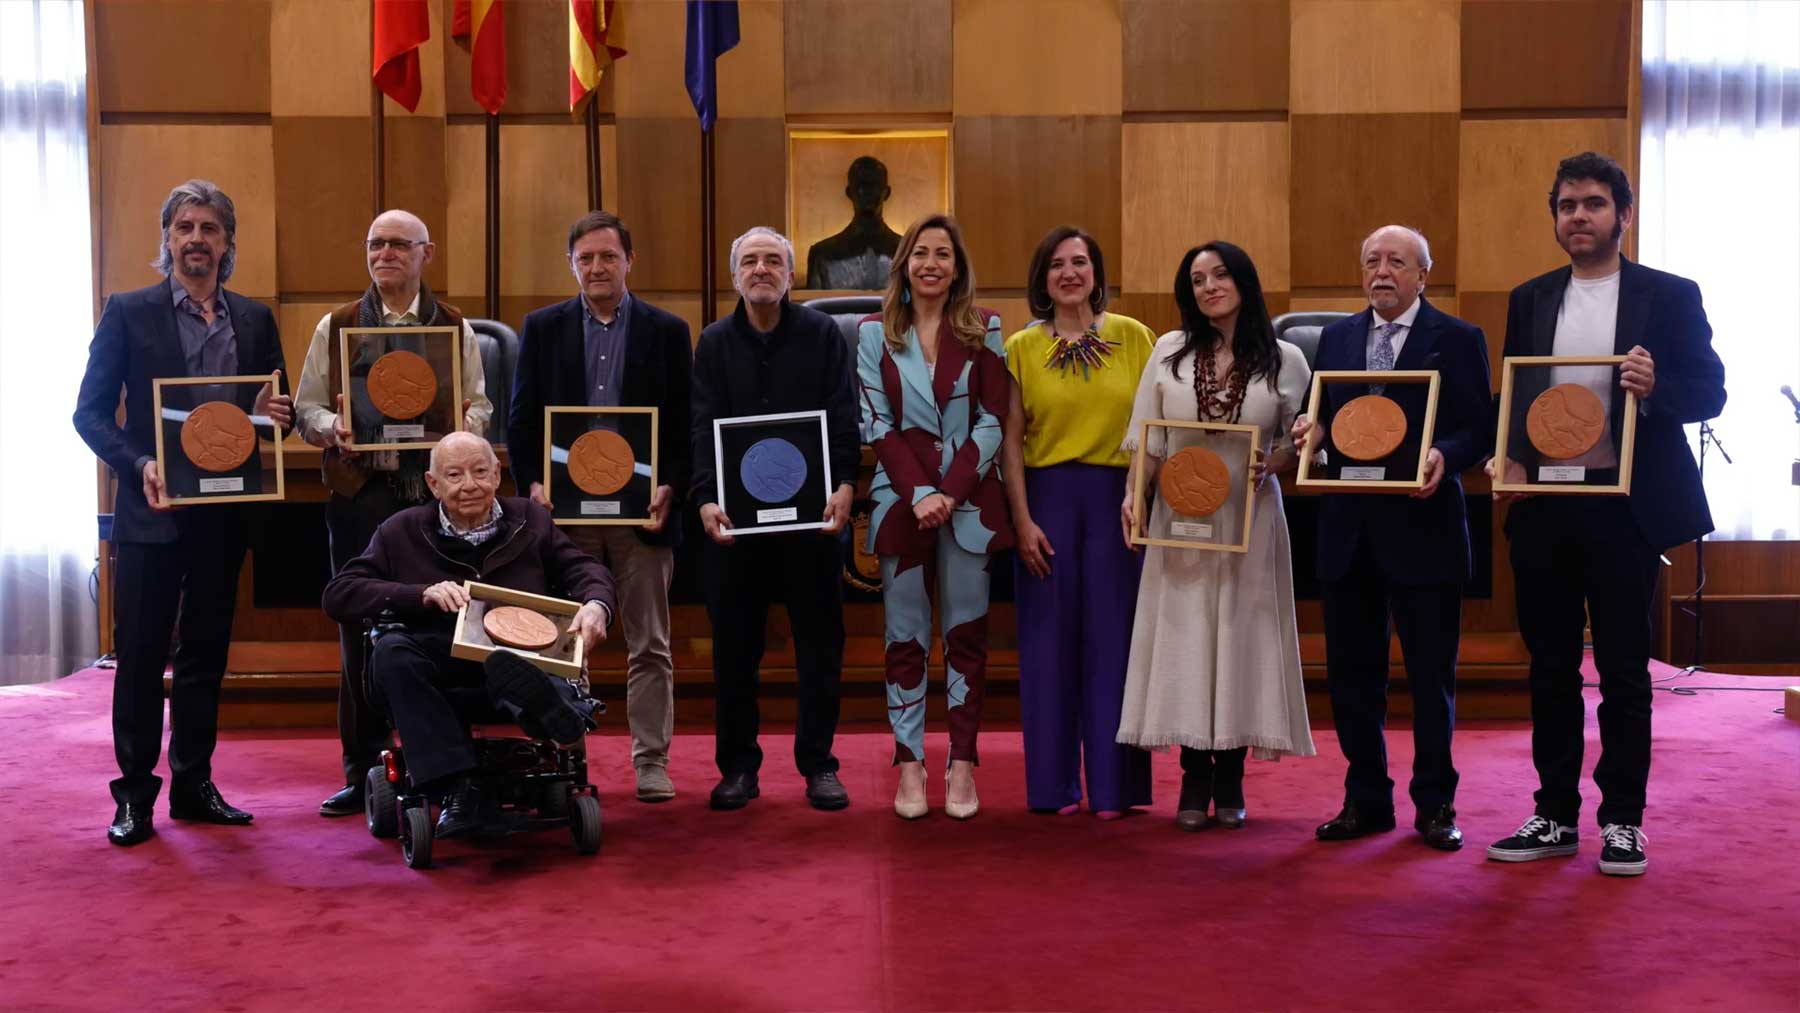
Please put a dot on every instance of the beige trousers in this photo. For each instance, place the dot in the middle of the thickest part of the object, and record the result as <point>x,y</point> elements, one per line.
<point>641,573</point>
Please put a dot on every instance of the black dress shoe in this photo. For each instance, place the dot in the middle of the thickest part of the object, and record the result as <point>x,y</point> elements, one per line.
<point>734,791</point>
<point>131,824</point>
<point>204,804</point>
<point>460,814</point>
<point>347,802</point>
<point>1438,824</point>
<point>826,792</point>
<point>546,710</point>
<point>1355,821</point>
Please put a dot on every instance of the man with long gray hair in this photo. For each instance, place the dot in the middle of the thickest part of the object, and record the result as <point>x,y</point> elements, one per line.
<point>174,566</point>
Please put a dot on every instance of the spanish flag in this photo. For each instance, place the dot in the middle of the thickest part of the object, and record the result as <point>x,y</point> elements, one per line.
<point>401,27</point>
<point>479,27</point>
<point>591,37</point>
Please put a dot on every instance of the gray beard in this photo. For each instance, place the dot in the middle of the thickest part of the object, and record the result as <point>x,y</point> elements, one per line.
<point>194,271</point>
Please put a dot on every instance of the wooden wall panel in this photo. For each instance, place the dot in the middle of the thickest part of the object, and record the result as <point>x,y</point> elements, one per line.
<point>1187,183</point>
<point>753,75</point>
<point>1353,174</point>
<point>319,58</point>
<point>1527,54</point>
<point>659,194</point>
<point>868,57</point>
<point>1487,310</point>
<point>183,56</point>
<point>1204,57</point>
<point>650,80</point>
<point>995,156</point>
<point>143,163</point>
<point>297,320</point>
<point>1009,62</point>
<point>751,153</point>
<point>1502,211</point>
<point>322,203</point>
<point>415,181</point>
<point>1375,56</point>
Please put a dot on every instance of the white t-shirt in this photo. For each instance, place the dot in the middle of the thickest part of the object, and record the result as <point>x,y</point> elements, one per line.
<point>1586,325</point>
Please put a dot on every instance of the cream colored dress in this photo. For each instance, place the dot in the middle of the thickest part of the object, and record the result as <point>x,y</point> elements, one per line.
<point>1215,651</point>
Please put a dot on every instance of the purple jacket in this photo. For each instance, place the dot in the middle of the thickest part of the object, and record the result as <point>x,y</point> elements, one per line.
<point>529,554</point>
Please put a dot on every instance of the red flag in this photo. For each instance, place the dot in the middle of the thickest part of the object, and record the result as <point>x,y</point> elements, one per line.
<point>401,27</point>
<point>593,38</point>
<point>479,27</point>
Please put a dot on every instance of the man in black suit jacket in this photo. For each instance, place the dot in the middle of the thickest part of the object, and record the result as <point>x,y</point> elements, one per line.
<point>606,347</point>
<point>1593,560</point>
<point>173,563</point>
<point>1409,556</point>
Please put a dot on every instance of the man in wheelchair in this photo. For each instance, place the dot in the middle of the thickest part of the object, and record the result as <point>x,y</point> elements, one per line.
<point>413,572</point>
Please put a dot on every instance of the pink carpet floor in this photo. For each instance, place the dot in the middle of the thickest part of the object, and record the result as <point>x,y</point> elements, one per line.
<point>780,907</point>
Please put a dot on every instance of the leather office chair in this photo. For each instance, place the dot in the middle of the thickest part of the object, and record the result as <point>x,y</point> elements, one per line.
<point>499,346</point>
<point>847,310</point>
<point>1303,330</point>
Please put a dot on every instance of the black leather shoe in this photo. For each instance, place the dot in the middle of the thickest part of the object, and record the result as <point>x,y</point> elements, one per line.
<point>546,712</point>
<point>734,791</point>
<point>204,804</point>
<point>826,792</point>
<point>461,813</point>
<point>1355,821</point>
<point>1438,824</point>
<point>347,802</point>
<point>131,824</point>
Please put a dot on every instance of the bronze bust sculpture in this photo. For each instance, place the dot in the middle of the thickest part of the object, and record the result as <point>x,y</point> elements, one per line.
<point>858,256</point>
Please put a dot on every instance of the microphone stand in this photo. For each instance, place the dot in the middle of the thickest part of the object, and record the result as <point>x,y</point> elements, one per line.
<point>1707,435</point>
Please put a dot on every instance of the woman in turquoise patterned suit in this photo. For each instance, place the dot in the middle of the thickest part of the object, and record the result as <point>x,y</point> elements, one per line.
<point>934,391</point>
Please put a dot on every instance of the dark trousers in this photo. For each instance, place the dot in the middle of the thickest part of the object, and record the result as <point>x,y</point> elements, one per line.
<point>351,523</point>
<point>1428,618</point>
<point>1581,560</point>
<point>1217,772</point>
<point>802,571</point>
<point>186,589</point>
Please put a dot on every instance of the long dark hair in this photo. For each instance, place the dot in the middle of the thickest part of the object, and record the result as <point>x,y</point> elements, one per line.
<point>1253,341</point>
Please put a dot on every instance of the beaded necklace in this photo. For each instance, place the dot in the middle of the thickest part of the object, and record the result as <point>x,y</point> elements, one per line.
<point>1089,351</point>
<point>1216,401</point>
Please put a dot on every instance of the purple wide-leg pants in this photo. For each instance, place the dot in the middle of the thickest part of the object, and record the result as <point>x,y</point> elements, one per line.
<point>1074,642</point>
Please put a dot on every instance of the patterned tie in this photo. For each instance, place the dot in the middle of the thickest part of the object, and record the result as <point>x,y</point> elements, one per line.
<point>1383,359</point>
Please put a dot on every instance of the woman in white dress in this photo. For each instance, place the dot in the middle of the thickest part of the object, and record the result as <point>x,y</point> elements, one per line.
<point>1215,653</point>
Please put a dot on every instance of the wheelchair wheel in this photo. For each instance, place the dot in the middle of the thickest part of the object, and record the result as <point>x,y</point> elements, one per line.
<point>584,823</point>
<point>379,810</point>
<point>415,837</point>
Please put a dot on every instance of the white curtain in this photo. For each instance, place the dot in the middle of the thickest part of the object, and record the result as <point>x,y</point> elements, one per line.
<point>1719,203</point>
<point>47,531</point>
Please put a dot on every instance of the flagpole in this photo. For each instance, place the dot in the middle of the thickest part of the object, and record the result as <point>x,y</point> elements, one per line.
<point>493,215</point>
<point>709,296</point>
<point>377,139</point>
<point>591,123</point>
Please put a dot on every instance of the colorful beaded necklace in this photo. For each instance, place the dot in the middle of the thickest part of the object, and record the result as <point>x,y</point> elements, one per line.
<point>1089,351</point>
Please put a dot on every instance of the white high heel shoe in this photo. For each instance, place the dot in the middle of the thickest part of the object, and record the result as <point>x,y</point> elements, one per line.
<point>959,810</point>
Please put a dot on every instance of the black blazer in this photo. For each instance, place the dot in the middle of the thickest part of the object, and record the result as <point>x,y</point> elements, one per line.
<point>552,371</point>
<point>135,343</point>
<point>1416,541</point>
<point>1661,312</point>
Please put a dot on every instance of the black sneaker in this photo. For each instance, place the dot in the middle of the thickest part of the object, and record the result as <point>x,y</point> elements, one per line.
<point>1537,838</point>
<point>1622,850</point>
<point>825,791</point>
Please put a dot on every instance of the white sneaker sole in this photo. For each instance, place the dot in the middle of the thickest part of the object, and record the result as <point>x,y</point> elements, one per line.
<point>1533,854</point>
<point>1624,868</point>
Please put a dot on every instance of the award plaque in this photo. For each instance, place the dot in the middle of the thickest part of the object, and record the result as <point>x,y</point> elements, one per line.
<point>1566,426</point>
<point>1204,496</point>
<point>1370,443</point>
<point>600,464</point>
<point>402,386</point>
<point>530,625</point>
<point>774,471</point>
<point>211,447</point>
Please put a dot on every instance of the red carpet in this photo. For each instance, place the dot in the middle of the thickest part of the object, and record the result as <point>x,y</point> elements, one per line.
<point>780,907</point>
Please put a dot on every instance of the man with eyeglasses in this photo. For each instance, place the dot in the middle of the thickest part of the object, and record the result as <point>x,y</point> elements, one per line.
<point>368,488</point>
<point>609,348</point>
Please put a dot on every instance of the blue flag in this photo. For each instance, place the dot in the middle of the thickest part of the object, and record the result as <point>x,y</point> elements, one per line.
<point>712,28</point>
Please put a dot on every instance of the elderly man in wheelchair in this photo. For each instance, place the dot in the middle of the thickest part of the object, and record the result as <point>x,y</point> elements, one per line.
<point>408,587</point>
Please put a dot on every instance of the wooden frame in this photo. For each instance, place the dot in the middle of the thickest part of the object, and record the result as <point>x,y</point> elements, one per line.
<point>1141,517</point>
<point>915,129</point>
<point>569,653</point>
<point>156,409</point>
<point>719,427</point>
<point>1304,478</point>
<point>550,412</point>
<point>1627,439</point>
<point>454,334</point>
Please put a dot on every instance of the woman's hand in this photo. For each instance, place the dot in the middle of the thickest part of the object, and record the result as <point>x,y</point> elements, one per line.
<point>1034,548</point>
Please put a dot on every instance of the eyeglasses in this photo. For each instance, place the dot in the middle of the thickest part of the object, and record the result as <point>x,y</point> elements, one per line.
<point>397,245</point>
